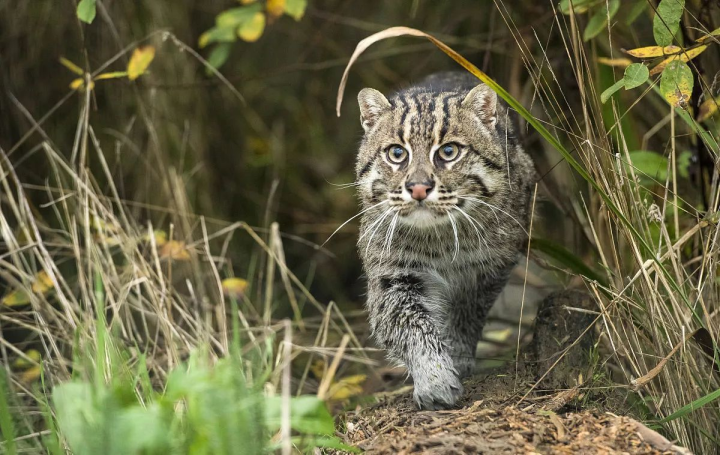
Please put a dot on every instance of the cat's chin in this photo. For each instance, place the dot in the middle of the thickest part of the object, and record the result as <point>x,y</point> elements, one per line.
<point>422,217</point>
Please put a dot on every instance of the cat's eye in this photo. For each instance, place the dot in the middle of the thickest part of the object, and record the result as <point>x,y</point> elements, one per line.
<point>396,154</point>
<point>448,152</point>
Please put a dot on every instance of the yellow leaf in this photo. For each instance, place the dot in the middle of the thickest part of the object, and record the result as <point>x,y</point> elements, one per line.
<point>708,108</point>
<point>234,287</point>
<point>31,374</point>
<point>22,363</point>
<point>253,29</point>
<point>160,237</point>
<point>711,35</point>
<point>684,57</point>
<point>16,298</point>
<point>71,66</point>
<point>318,369</point>
<point>113,75</point>
<point>498,336</point>
<point>275,8</point>
<point>139,62</point>
<point>346,387</point>
<point>42,283</point>
<point>654,51</point>
<point>620,62</point>
<point>79,84</point>
<point>175,250</point>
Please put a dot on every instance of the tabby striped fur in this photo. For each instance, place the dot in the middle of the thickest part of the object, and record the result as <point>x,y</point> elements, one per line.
<point>434,267</point>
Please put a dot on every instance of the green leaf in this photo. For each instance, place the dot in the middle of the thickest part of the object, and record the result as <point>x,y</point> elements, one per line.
<point>74,409</point>
<point>235,17</point>
<point>683,164</point>
<point>690,407</point>
<point>610,91</point>
<point>676,83</point>
<point>565,258</point>
<point>599,20</point>
<point>7,427</point>
<point>218,56</point>
<point>295,8</point>
<point>666,22</point>
<point>308,415</point>
<point>635,11</point>
<point>578,6</point>
<point>86,11</point>
<point>635,75</point>
<point>217,35</point>
<point>649,164</point>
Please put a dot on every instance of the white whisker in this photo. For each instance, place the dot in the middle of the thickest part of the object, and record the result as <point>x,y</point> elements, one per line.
<point>388,240</point>
<point>475,225</point>
<point>455,232</point>
<point>495,208</point>
<point>343,225</point>
<point>378,223</point>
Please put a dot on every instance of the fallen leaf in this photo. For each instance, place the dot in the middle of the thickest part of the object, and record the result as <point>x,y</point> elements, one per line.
<point>346,387</point>
<point>31,374</point>
<point>253,29</point>
<point>139,61</point>
<point>42,283</point>
<point>22,363</point>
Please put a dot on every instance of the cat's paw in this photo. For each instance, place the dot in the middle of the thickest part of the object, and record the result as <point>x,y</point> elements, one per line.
<point>436,387</point>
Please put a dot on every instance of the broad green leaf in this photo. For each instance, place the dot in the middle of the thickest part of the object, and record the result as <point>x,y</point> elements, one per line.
<point>74,409</point>
<point>86,11</point>
<point>295,8</point>
<point>666,22</point>
<point>71,66</point>
<point>635,75</point>
<point>308,414</point>
<point>649,164</point>
<point>610,91</point>
<point>235,17</point>
<point>676,83</point>
<point>253,29</point>
<point>219,55</point>
<point>635,11</point>
<point>683,57</point>
<point>578,6</point>
<point>139,61</point>
<point>654,51</point>
<point>217,35</point>
<point>599,20</point>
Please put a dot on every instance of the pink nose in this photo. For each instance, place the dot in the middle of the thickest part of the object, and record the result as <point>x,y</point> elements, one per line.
<point>420,191</point>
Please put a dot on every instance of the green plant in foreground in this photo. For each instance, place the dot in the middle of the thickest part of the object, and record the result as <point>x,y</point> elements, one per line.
<point>110,407</point>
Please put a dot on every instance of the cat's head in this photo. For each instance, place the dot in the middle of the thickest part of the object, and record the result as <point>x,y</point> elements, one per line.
<point>427,154</point>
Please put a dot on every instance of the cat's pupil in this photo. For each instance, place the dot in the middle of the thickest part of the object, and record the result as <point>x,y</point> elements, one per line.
<point>398,152</point>
<point>448,150</point>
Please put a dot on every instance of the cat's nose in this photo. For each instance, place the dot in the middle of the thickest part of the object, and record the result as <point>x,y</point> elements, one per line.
<point>419,191</point>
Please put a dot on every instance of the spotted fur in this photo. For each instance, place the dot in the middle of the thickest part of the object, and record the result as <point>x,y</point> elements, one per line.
<point>434,267</point>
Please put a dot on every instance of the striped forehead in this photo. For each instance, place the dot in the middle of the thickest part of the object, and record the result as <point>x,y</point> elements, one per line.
<point>424,118</point>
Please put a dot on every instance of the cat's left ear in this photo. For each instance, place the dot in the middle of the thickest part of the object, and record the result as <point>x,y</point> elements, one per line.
<point>483,101</point>
<point>372,105</point>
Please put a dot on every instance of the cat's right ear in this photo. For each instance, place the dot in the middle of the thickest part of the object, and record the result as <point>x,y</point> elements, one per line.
<point>372,105</point>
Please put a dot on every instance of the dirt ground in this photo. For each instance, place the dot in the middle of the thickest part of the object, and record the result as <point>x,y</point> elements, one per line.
<point>521,410</point>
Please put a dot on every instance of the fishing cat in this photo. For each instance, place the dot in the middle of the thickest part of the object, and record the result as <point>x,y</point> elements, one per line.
<point>445,188</point>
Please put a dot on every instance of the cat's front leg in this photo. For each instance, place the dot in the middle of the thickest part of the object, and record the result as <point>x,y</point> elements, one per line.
<point>402,322</point>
